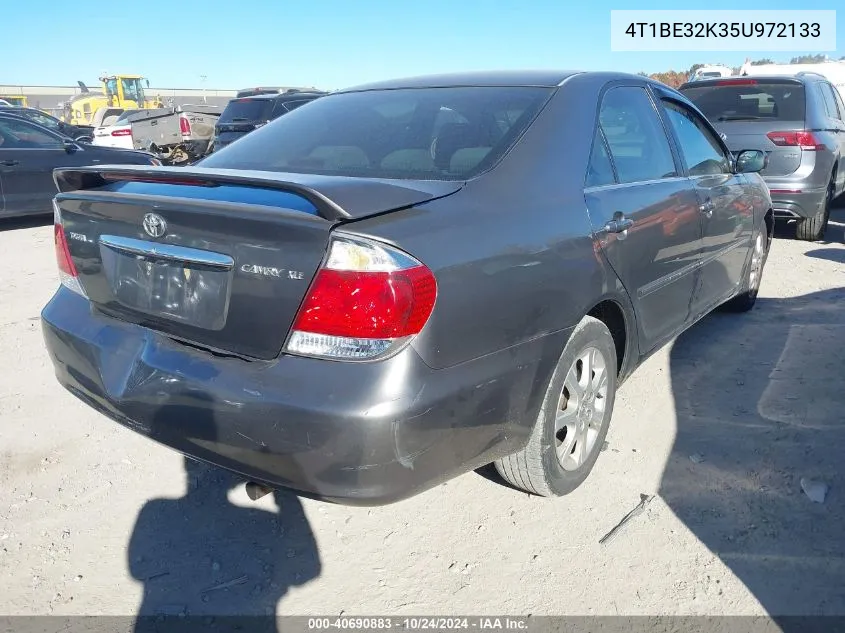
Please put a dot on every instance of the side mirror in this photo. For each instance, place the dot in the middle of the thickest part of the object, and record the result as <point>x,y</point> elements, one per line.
<point>70,146</point>
<point>750,161</point>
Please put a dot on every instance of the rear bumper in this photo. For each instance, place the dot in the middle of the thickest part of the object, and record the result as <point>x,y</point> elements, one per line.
<point>796,203</point>
<point>356,433</point>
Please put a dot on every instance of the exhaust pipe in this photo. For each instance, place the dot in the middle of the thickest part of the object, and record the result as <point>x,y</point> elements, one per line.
<point>255,491</point>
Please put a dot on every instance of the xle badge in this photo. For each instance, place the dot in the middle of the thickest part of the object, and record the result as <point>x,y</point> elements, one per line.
<point>269,271</point>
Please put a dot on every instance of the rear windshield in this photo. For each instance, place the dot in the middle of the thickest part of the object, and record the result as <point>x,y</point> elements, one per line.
<point>749,101</point>
<point>424,133</point>
<point>247,110</point>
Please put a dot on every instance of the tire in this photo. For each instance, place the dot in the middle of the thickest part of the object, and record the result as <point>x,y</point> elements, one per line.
<point>746,299</point>
<point>538,468</point>
<point>813,229</point>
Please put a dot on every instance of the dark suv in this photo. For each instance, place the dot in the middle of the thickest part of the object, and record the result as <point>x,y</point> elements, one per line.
<point>243,115</point>
<point>800,123</point>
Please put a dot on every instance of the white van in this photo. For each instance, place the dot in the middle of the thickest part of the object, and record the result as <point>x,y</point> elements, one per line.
<point>710,72</point>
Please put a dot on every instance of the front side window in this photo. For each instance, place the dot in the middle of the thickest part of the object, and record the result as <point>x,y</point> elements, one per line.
<point>22,135</point>
<point>417,133</point>
<point>635,136</point>
<point>700,148</point>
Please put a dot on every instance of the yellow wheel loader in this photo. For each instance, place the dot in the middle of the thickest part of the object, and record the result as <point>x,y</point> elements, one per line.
<point>119,91</point>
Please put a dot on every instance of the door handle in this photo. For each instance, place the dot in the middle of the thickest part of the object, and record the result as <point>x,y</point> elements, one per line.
<point>707,208</point>
<point>619,225</point>
<point>9,163</point>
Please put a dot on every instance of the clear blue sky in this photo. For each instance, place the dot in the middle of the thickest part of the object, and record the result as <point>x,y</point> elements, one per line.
<point>332,43</point>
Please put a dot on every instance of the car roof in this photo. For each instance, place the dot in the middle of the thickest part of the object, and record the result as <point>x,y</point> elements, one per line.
<point>540,78</point>
<point>715,81</point>
<point>5,114</point>
<point>12,109</point>
<point>280,96</point>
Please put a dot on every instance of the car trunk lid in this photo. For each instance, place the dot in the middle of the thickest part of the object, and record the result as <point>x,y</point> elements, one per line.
<point>216,258</point>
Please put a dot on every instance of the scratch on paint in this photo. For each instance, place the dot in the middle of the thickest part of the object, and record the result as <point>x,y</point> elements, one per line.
<point>246,437</point>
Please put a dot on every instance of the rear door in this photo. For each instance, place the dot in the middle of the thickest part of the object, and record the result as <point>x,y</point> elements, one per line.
<point>644,212</point>
<point>756,114</point>
<point>726,211</point>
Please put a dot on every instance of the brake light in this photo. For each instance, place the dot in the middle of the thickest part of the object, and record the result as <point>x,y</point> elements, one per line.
<point>164,179</point>
<point>366,302</point>
<point>737,82</point>
<point>184,125</point>
<point>123,132</point>
<point>802,138</point>
<point>67,270</point>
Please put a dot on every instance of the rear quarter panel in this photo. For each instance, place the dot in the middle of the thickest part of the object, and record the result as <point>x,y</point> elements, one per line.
<point>513,251</point>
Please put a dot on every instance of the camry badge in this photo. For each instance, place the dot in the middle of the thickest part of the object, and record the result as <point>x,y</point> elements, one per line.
<point>154,225</point>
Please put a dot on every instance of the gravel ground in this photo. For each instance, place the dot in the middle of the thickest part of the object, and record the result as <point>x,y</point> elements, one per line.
<point>720,426</point>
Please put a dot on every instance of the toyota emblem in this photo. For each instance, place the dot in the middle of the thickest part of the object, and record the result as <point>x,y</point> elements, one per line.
<point>154,225</point>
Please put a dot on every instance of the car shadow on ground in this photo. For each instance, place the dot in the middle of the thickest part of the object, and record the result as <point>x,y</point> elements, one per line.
<point>760,401</point>
<point>26,222</point>
<point>202,557</point>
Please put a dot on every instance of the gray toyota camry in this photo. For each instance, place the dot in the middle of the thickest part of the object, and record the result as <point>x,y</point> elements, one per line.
<point>400,282</point>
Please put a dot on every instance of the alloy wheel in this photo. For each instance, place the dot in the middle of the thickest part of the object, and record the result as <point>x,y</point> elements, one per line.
<point>581,409</point>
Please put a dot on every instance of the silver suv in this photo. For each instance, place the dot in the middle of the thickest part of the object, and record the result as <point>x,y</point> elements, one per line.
<point>799,122</point>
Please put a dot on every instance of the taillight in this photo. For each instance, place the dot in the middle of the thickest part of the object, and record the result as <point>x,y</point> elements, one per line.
<point>184,125</point>
<point>123,132</point>
<point>802,138</point>
<point>67,270</point>
<point>736,82</point>
<point>366,302</point>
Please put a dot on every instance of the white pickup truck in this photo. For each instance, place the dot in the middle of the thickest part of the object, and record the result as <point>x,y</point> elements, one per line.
<point>176,135</point>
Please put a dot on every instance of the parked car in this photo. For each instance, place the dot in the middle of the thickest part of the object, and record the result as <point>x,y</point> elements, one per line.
<point>405,281</point>
<point>174,135</point>
<point>30,152</point>
<point>799,122</point>
<point>82,133</point>
<point>244,115</point>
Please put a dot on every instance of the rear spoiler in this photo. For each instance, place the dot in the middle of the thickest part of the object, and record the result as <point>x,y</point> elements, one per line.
<point>69,179</point>
<point>337,198</point>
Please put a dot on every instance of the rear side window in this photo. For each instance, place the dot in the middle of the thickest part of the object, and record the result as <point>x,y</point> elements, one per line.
<point>600,171</point>
<point>749,100</point>
<point>636,138</point>
<point>293,105</point>
<point>840,104</point>
<point>247,110</point>
<point>830,101</point>
<point>424,133</point>
<point>701,151</point>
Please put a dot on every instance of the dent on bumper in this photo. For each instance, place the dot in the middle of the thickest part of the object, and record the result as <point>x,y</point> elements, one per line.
<point>362,433</point>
